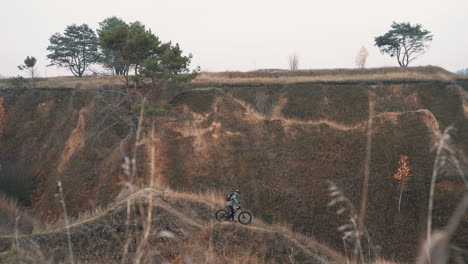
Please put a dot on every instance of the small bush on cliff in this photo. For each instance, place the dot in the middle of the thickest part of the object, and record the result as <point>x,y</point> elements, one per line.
<point>152,109</point>
<point>18,82</point>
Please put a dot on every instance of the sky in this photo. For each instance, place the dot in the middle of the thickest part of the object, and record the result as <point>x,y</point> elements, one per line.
<point>244,35</point>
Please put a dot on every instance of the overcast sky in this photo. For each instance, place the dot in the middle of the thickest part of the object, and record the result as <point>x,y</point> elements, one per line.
<point>243,35</point>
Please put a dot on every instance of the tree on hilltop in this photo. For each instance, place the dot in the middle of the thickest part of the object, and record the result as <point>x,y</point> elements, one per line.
<point>30,66</point>
<point>143,54</point>
<point>404,41</point>
<point>111,59</point>
<point>167,66</point>
<point>133,43</point>
<point>293,61</point>
<point>75,49</point>
<point>361,58</point>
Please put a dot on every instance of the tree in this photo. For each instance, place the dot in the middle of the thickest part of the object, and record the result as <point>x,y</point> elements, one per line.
<point>153,65</point>
<point>111,59</point>
<point>75,49</point>
<point>30,66</point>
<point>293,62</point>
<point>361,58</point>
<point>142,52</point>
<point>17,82</point>
<point>133,44</point>
<point>402,176</point>
<point>404,41</point>
<point>167,65</point>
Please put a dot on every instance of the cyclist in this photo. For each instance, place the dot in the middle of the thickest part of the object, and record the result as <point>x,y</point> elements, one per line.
<point>230,204</point>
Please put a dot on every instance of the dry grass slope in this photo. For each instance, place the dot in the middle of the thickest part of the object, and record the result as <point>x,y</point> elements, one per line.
<point>192,213</point>
<point>184,232</point>
<point>428,73</point>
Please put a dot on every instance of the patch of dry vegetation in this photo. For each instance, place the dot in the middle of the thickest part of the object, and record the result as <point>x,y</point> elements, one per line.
<point>211,197</point>
<point>428,73</point>
<point>180,234</point>
<point>13,218</point>
<point>85,82</point>
<point>183,231</point>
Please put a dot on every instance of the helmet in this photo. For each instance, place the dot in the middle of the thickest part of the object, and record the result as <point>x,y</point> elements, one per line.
<point>237,191</point>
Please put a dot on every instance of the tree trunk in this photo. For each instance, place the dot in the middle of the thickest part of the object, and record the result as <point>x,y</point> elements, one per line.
<point>399,200</point>
<point>33,82</point>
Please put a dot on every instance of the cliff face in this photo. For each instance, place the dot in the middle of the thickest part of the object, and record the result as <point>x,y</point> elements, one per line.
<point>50,136</point>
<point>281,144</point>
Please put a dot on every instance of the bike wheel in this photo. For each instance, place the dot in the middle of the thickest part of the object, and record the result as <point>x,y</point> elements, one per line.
<point>222,215</point>
<point>245,218</point>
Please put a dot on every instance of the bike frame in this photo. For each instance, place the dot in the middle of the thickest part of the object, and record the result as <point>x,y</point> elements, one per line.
<point>246,216</point>
<point>235,210</point>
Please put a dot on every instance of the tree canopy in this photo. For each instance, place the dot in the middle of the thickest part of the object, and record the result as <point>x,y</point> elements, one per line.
<point>404,41</point>
<point>147,57</point>
<point>30,66</point>
<point>75,49</point>
<point>111,59</point>
<point>29,62</point>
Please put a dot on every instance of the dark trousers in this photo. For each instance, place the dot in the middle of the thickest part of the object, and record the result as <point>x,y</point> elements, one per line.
<point>231,215</point>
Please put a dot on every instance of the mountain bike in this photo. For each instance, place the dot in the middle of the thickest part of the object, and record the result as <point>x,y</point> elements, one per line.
<point>244,217</point>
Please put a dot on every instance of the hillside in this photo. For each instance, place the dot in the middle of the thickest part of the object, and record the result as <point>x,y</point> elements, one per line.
<point>375,75</point>
<point>281,137</point>
<point>182,230</point>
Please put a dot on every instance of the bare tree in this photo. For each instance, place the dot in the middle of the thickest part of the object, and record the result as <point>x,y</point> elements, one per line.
<point>293,62</point>
<point>361,58</point>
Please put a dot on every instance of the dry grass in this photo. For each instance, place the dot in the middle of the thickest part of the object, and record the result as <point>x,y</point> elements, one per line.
<point>428,73</point>
<point>34,254</point>
<point>214,200</point>
<point>85,82</point>
<point>212,197</point>
<point>8,202</point>
<point>12,217</point>
<point>286,229</point>
<point>383,261</point>
<point>333,75</point>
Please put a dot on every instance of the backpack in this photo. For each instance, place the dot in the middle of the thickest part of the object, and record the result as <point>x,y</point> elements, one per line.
<point>228,197</point>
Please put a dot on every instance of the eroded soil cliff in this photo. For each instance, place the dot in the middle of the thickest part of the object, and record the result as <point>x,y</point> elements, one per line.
<point>280,143</point>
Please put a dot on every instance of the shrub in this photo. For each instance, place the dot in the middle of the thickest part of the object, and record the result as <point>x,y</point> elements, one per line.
<point>152,109</point>
<point>18,82</point>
